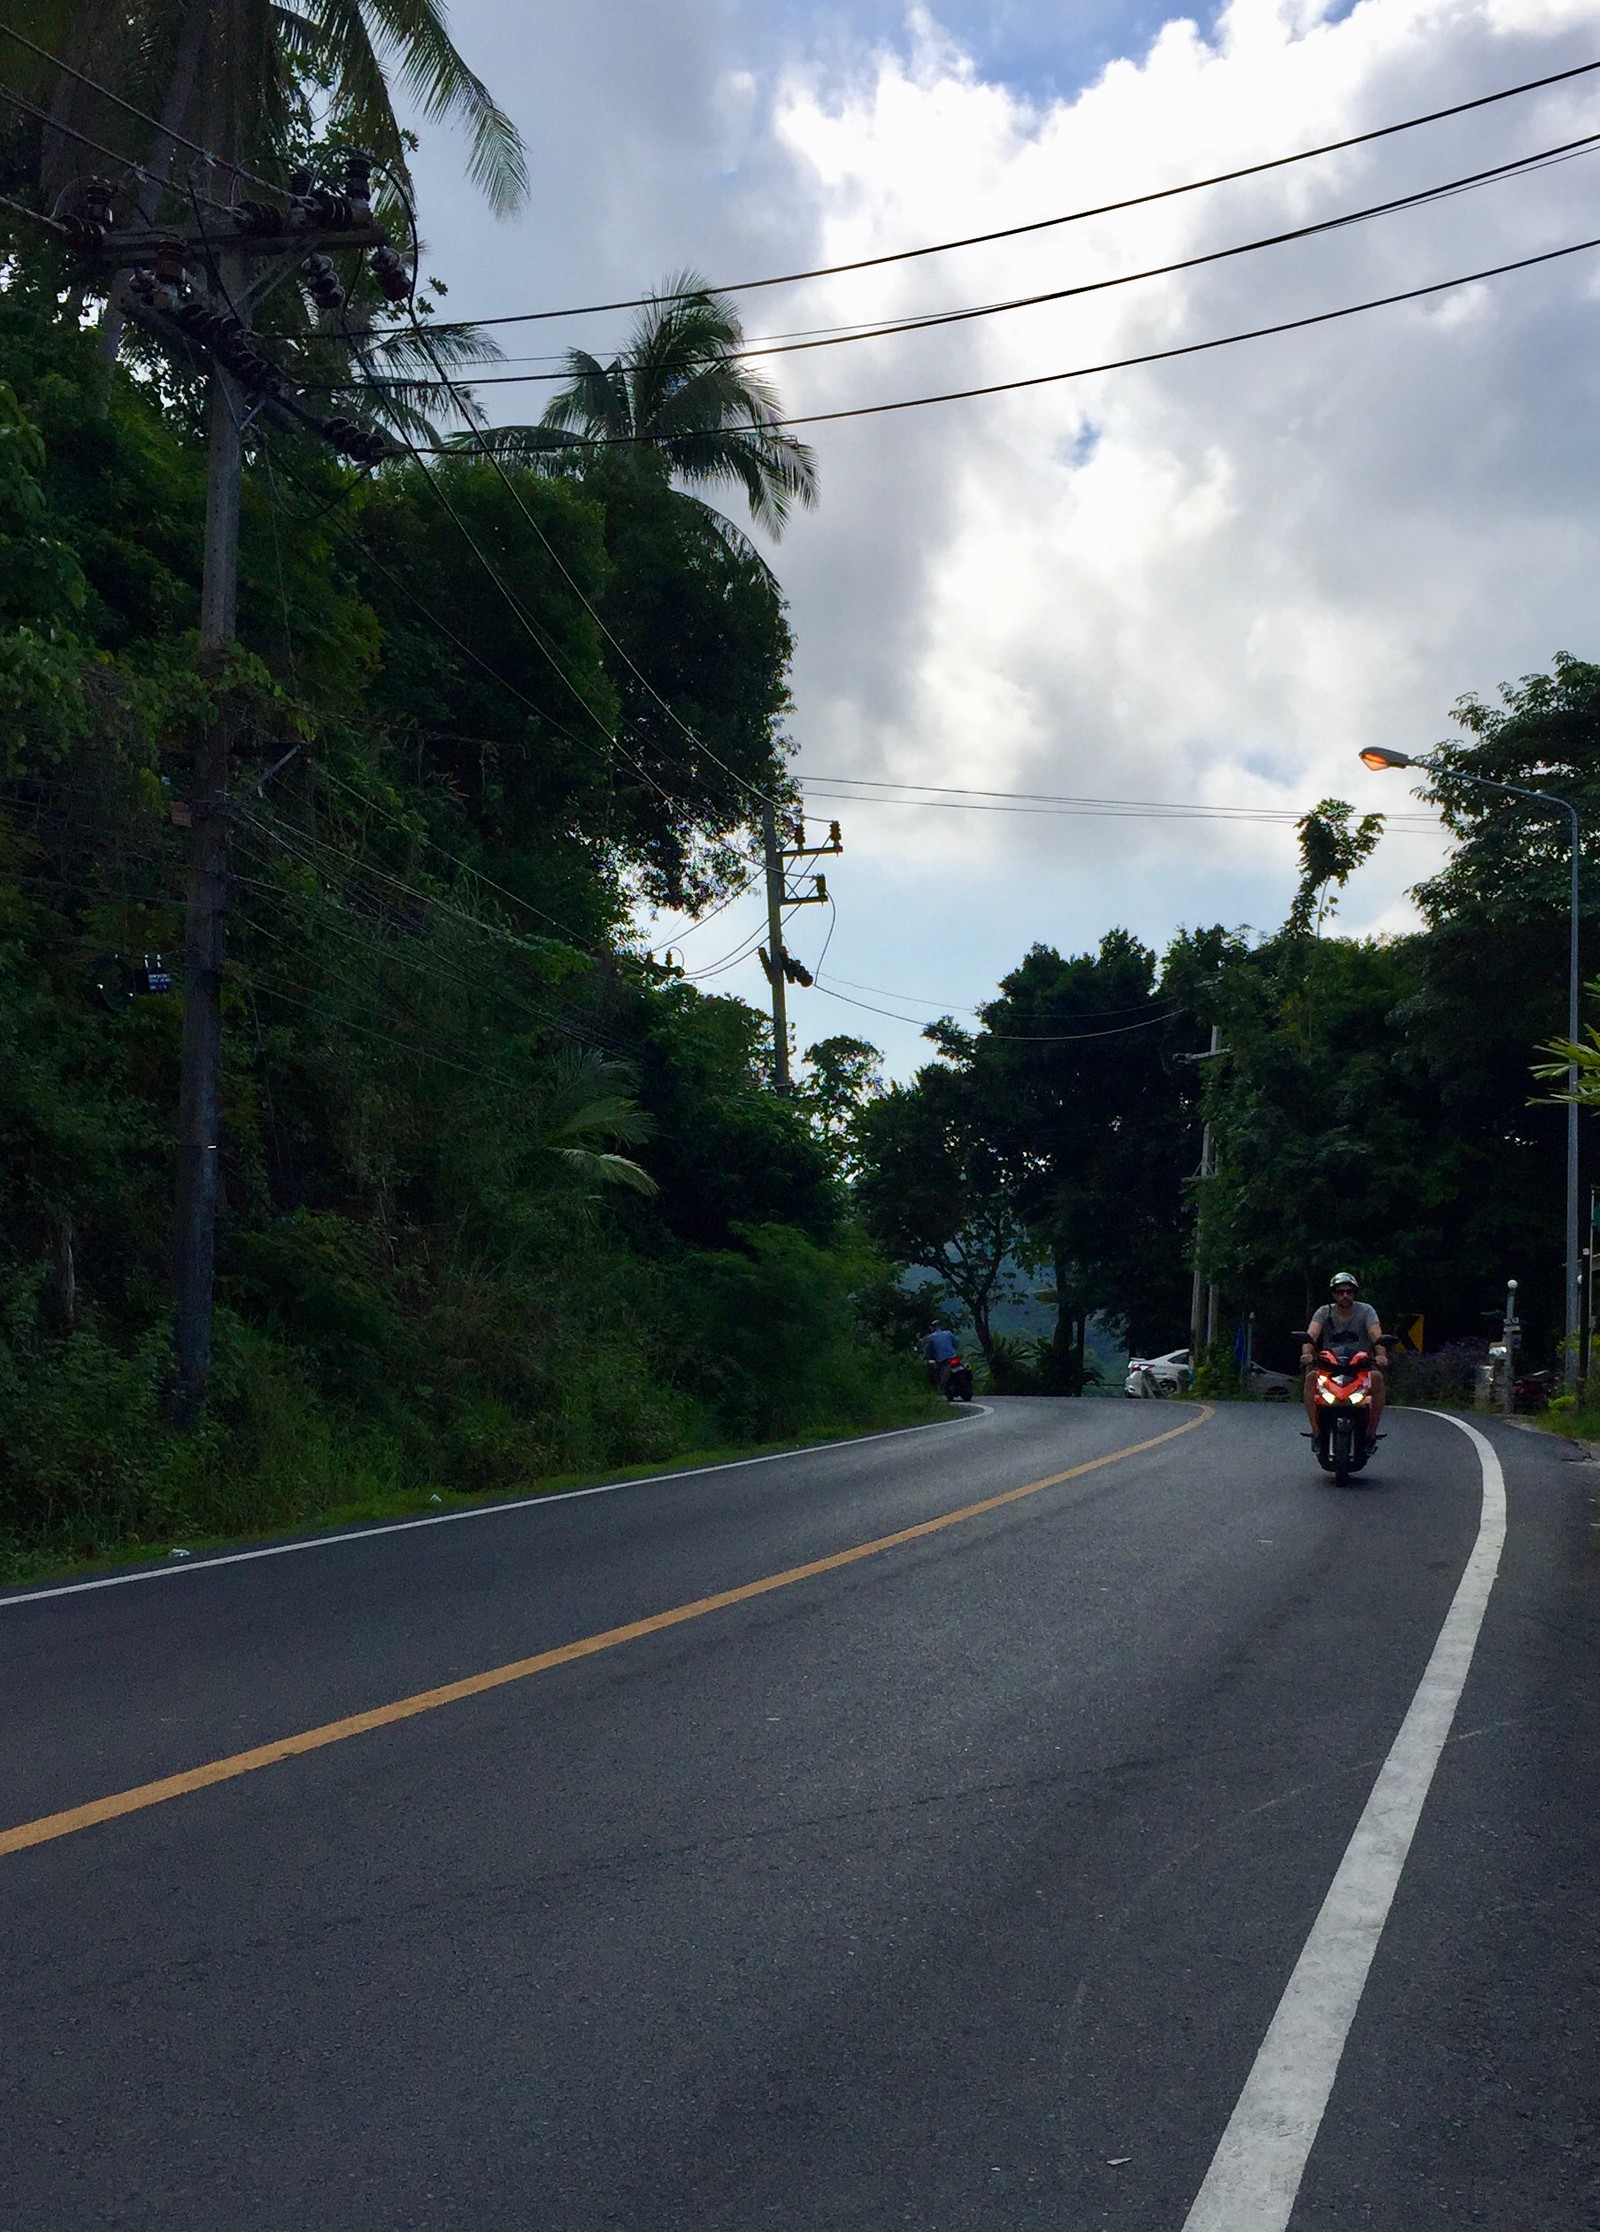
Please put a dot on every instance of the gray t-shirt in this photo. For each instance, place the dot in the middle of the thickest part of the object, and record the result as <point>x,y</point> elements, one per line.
<point>1331,1324</point>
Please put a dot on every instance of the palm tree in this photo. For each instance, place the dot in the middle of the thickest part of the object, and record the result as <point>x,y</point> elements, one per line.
<point>259,83</point>
<point>586,1098</point>
<point>681,389</point>
<point>245,79</point>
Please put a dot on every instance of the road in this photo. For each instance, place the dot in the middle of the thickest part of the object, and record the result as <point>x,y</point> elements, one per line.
<point>952,1884</point>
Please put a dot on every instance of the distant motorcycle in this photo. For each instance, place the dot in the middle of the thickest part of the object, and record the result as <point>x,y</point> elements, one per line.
<point>952,1379</point>
<point>1341,1379</point>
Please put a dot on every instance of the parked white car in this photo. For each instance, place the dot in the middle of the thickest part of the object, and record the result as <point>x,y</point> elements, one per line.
<point>1171,1374</point>
<point>1158,1375</point>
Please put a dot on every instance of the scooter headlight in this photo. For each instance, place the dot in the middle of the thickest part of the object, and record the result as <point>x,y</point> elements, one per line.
<point>1326,1393</point>
<point>1358,1395</point>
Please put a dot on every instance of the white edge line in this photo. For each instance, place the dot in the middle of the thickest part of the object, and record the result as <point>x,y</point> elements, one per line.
<point>384,1527</point>
<point>1255,2174</point>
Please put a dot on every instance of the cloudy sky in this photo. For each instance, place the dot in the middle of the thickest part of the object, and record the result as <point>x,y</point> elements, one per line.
<point>1205,581</point>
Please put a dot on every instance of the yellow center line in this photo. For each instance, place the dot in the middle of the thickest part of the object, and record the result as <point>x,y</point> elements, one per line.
<point>67,1824</point>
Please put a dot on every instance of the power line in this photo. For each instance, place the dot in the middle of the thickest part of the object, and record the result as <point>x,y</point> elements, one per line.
<point>529,626</point>
<point>476,657</point>
<point>326,774</point>
<point>470,412</point>
<point>1148,356</point>
<point>1070,217</point>
<point>1049,802</point>
<point>1006,1038</point>
<point>917,999</point>
<point>429,967</point>
<point>929,321</point>
<point>97,147</point>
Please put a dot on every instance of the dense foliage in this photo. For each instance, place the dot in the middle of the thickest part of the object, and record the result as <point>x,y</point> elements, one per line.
<point>500,1199</point>
<point>1375,1102</point>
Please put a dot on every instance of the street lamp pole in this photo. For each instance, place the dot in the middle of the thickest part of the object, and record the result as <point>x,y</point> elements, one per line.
<point>1378,757</point>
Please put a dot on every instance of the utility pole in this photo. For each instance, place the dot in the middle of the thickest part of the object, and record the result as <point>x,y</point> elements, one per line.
<point>780,965</point>
<point>1203,1297</point>
<point>150,277</point>
<point>194,1232</point>
<point>773,958</point>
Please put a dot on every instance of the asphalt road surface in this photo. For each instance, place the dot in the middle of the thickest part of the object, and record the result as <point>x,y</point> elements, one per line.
<point>956,1884</point>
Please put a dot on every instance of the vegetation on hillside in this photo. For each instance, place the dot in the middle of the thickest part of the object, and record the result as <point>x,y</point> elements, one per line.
<point>501,1199</point>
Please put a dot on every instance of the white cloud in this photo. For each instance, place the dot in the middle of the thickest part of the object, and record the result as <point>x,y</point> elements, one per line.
<point>1207,580</point>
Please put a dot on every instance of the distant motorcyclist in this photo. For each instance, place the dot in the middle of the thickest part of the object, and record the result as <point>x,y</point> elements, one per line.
<point>939,1350</point>
<point>1344,1319</point>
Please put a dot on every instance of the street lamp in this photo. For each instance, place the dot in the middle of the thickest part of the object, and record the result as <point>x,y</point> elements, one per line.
<point>1379,757</point>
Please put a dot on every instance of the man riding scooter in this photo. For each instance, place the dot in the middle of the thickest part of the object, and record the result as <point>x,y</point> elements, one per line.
<point>1345,1321</point>
<point>939,1351</point>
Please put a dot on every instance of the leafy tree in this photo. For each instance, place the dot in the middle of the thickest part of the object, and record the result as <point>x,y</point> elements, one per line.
<point>843,1074</point>
<point>1333,845</point>
<point>1074,1068</point>
<point>935,1191</point>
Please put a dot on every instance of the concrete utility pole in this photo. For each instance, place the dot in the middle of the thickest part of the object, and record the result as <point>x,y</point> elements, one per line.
<point>775,954</point>
<point>1203,1298</point>
<point>194,1232</point>
<point>149,275</point>
<point>780,965</point>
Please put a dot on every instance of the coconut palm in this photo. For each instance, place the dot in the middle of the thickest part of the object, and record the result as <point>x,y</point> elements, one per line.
<point>586,1098</point>
<point>245,79</point>
<point>260,83</point>
<point>682,389</point>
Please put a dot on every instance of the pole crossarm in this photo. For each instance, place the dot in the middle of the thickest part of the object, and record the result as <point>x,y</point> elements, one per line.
<point>124,251</point>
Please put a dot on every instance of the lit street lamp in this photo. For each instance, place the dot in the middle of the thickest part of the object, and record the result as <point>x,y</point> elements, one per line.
<point>1378,757</point>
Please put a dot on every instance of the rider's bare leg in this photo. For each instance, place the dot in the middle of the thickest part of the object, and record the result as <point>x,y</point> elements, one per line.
<point>1375,1410</point>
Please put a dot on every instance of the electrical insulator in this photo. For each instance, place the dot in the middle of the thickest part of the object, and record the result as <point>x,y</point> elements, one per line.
<point>364,443</point>
<point>358,178</point>
<point>258,219</point>
<point>834,838</point>
<point>168,263</point>
<point>333,210</point>
<point>390,273</point>
<point>800,836</point>
<point>796,971</point>
<point>300,183</point>
<point>89,223</point>
<point>322,283</point>
<point>822,887</point>
<point>94,200</point>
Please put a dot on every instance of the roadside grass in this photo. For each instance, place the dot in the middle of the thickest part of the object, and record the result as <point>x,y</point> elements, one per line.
<point>1573,1417</point>
<point>376,1504</point>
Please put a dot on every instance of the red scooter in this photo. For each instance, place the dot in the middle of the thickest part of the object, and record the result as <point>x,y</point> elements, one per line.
<point>952,1379</point>
<point>1341,1381</point>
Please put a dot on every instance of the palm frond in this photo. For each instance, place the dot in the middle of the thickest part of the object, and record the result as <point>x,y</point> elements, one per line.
<point>597,403</point>
<point>608,1170</point>
<point>433,72</point>
<point>682,388</point>
<point>546,448</point>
